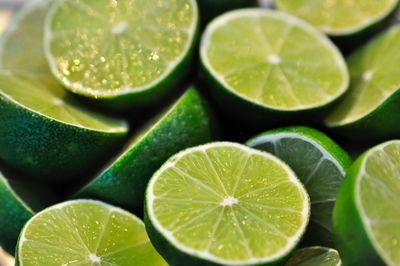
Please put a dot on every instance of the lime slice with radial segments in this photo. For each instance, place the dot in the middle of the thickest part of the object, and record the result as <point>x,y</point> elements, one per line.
<point>123,53</point>
<point>315,256</point>
<point>366,218</point>
<point>85,233</point>
<point>225,204</point>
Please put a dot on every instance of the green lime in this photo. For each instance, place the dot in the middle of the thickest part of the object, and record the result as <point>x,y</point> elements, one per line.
<point>315,256</point>
<point>85,233</point>
<point>122,53</point>
<point>371,104</point>
<point>366,218</point>
<point>209,9</point>
<point>283,68</point>
<point>320,165</point>
<point>340,17</point>
<point>123,182</point>
<point>225,204</point>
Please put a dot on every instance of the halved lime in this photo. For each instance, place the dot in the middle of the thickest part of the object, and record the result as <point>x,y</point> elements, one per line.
<point>372,104</point>
<point>123,182</point>
<point>320,165</point>
<point>366,218</point>
<point>85,233</point>
<point>122,53</point>
<point>225,204</point>
<point>340,17</point>
<point>315,256</point>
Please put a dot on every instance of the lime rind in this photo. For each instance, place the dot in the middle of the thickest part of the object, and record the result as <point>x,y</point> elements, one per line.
<point>78,88</point>
<point>364,24</point>
<point>315,256</point>
<point>14,195</point>
<point>257,12</point>
<point>204,255</point>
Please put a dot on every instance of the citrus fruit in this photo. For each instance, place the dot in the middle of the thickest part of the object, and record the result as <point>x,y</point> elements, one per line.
<point>225,204</point>
<point>122,53</point>
<point>85,233</point>
<point>320,165</point>
<point>283,68</point>
<point>371,104</point>
<point>367,214</point>
<point>184,124</point>
<point>315,256</point>
<point>340,17</point>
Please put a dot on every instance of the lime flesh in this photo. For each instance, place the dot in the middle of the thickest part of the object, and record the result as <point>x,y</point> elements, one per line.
<point>85,233</point>
<point>226,204</point>
<point>280,62</point>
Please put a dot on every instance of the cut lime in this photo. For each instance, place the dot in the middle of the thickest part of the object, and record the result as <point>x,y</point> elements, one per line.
<point>85,233</point>
<point>282,66</point>
<point>225,204</point>
<point>123,182</point>
<point>340,17</point>
<point>321,166</point>
<point>122,53</point>
<point>315,256</point>
<point>366,218</point>
<point>372,102</point>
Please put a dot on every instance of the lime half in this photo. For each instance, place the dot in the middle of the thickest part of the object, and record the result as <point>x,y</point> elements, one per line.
<point>85,233</point>
<point>321,166</point>
<point>366,217</point>
<point>124,53</point>
<point>225,204</point>
<point>371,105</point>
<point>340,17</point>
<point>315,256</point>
<point>123,182</point>
<point>282,65</point>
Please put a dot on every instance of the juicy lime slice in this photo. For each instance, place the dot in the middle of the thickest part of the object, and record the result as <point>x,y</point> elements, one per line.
<point>225,204</point>
<point>372,102</point>
<point>129,51</point>
<point>184,124</point>
<point>340,17</point>
<point>367,214</point>
<point>281,63</point>
<point>320,165</point>
<point>85,233</point>
<point>315,256</point>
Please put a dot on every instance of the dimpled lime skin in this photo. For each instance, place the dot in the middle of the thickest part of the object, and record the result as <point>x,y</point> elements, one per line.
<point>351,239</point>
<point>48,149</point>
<point>188,123</point>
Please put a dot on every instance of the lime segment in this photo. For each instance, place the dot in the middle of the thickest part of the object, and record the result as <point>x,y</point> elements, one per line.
<point>85,233</point>
<point>315,256</point>
<point>226,204</point>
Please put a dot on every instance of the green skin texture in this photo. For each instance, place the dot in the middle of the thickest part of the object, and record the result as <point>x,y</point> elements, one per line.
<point>50,150</point>
<point>315,234</point>
<point>381,124</point>
<point>354,245</point>
<point>123,183</point>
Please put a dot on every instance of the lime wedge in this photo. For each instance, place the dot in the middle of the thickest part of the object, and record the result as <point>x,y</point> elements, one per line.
<point>225,204</point>
<point>372,102</point>
<point>366,217</point>
<point>123,53</point>
<point>320,165</point>
<point>184,124</point>
<point>315,256</point>
<point>340,17</point>
<point>85,233</point>
<point>282,66</point>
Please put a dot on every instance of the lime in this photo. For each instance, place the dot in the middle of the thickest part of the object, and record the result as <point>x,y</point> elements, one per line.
<point>122,53</point>
<point>123,182</point>
<point>366,218</point>
<point>282,66</point>
<point>315,256</point>
<point>340,17</point>
<point>372,102</point>
<point>225,204</point>
<point>211,8</point>
<point>85,233</point>
<point>321,166</point>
